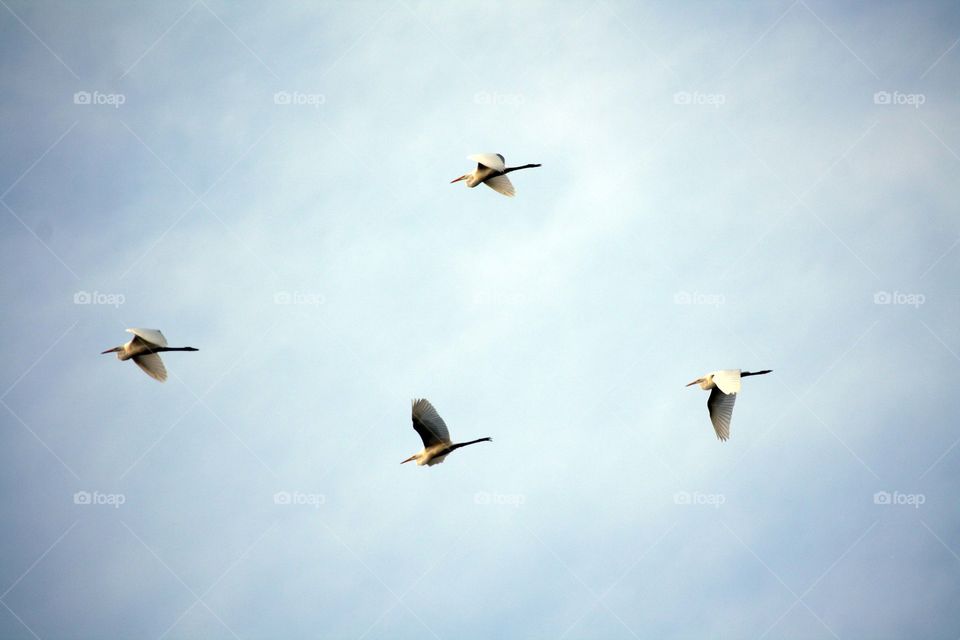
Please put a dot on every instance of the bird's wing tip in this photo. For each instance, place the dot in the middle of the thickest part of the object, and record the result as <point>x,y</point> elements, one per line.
<point>502,185</point>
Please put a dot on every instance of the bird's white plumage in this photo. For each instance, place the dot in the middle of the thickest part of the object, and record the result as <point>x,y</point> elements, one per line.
<point>152,365</point>
<point>433,431</point>
<point>428,423</point>
<point>720,406</point>
<point>728,380</point>
<point>723,385</point>
<point>434,459</point>
<point>501,184</point>
<point>152,336</point>
<point>493,160</point>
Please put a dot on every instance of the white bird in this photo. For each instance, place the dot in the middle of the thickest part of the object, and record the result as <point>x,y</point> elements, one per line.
<point>433,431</point>
<point>724,385</point>
<point>143,349</point>
<point>491,171</point>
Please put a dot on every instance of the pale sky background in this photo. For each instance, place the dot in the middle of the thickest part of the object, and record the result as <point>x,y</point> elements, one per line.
<point>720,189</point>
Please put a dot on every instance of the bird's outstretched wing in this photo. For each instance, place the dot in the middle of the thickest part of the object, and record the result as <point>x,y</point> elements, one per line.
<point>429,424</point>
<point>720,406</point>
<point>501,184</point>
<point>152,365</point>
<point>492,160</point>
<point>728,380</point>
<point>152,336</point>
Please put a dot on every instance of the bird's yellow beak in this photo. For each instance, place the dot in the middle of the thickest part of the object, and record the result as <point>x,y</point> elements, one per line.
<point>413,457</point>
<point>458,179</point>
<point>114,350</point>
<point>697,381</point>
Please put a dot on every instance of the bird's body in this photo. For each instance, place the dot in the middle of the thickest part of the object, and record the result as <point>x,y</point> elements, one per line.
<point>432,455</point>
<point>478,175</point>
<point>723,385</point>
<point>491,170</point>
<point>143,350</point>
<point>433,431</point>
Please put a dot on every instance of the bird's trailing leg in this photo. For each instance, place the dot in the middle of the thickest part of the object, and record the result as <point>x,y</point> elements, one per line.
<point>463,444</point>
<point>526,166</point>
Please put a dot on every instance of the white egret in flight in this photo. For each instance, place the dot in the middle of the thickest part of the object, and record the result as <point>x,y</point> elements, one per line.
<point>433,432</point>
<point>724,386</point>
<point>143,349</point>
<point>491,171</point>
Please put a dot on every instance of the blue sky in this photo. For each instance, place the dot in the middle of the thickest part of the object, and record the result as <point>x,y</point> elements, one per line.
<point>766,185</point>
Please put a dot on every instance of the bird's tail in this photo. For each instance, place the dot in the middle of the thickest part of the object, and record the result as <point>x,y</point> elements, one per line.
<point>744,374</point>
